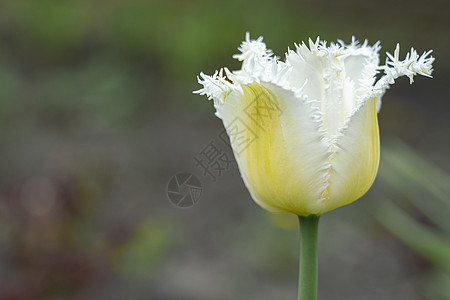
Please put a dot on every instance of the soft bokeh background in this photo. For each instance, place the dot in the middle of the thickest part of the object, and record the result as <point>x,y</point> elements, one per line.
<point>97,114</point>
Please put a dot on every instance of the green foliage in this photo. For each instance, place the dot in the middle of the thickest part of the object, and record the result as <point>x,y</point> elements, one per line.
<point>54,26</point>
<point>140,254</point>
<point>425,188</point>
<point>102,94</point>
<point>182,35</point>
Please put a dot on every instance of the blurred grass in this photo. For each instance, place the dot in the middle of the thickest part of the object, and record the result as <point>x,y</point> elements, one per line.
<point>421,220</point>
<point>175,40</point>
<point>139,255</point>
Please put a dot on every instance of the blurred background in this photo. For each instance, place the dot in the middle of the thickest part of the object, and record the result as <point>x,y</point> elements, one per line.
<point>97,114</point>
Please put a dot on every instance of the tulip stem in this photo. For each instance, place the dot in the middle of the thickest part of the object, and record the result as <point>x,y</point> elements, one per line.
<point>308,269</point>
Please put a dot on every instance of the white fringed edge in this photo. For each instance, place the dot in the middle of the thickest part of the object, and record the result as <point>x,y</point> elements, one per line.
<point>259,66</point>
<point>412,65</point>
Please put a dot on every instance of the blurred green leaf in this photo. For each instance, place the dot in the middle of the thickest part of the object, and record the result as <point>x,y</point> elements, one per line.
<point>429,244</point>
<point>425,185</point>
<point>54,25</point>
<point>414,167</point>
<point>438,285</point>
<point>140,254</point>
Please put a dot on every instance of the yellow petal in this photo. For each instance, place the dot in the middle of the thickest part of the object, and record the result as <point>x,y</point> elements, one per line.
<point>278,147</point>
<point>355,162</point>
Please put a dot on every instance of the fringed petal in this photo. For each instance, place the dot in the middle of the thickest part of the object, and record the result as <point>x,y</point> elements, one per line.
<point>354,163</point>
<point>278,146</point>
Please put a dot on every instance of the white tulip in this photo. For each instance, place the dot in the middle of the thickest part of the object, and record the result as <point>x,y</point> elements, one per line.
<point>304,131</point>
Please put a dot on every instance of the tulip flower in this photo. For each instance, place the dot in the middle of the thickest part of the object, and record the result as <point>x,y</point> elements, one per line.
<point>304,131</point>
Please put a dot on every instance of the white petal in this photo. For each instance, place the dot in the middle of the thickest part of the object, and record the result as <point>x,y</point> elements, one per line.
<point>306,67</point>
<point>361,68</point>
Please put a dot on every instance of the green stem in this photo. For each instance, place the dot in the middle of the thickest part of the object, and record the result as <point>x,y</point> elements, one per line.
<point>308,271</point>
